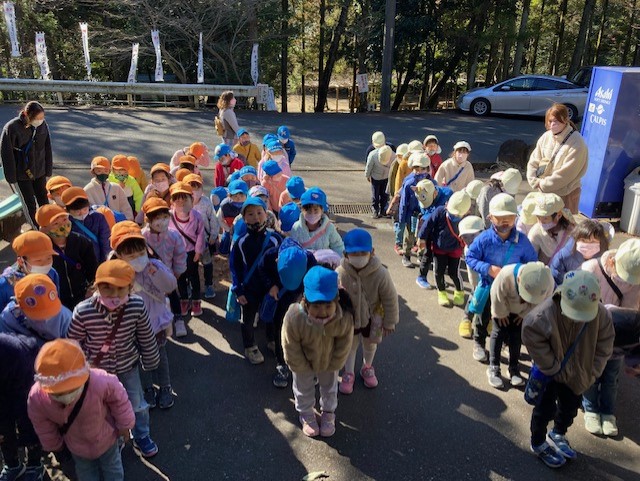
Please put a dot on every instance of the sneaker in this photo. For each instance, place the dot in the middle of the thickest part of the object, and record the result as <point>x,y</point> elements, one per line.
<point>493,375</point>
<point>180,328</point>
<point>458,298</point>
<point>254,355</point>
<point>369,376</point>
<point>422,282</point>
<point>375,215</point>
<point>516,379</point>
<point>196,308</point>
<point>548,455</point>
<point>560,442</point>
<point>465,329</point>
<point>11,474</point>
<point>346,383</point>
<point>609,425</point>
<point>309,424</point>
<point>146,446</point>
<point>33,473</point>
<point>593,423</point>
<point>443,299</point>
<point>406,262</point>
<point>281,377</point>
<point>150,397</point>
<point>165,397</point>
<point>479,354</point>
<point>209,293</point>
<point>327,424</point>
<point>271,345</point>
<point>398,249</point>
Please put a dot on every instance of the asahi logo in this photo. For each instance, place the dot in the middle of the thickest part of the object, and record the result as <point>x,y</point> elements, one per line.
<point>604,94</point>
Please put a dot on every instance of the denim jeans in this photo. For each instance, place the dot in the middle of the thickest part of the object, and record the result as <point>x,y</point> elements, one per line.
<point>109,465</point>
<point>601,397</point>
<point>131,382</point>
<point>160,375</point>
<point>398,229</point>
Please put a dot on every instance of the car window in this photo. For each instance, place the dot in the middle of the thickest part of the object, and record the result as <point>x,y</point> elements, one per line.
<point>549,84</point>
<point>517,85</point>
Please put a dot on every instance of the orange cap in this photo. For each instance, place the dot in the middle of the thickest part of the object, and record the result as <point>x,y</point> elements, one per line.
<point>160,167</point>
<point>115,272</point>
<point>61,366</point>
<point>197,149</point>
<point>126,229</point>
<point>153,204</point>
<point>32,243</point>
<point>48,213</point>
<point>37,296</point>
<point>108,215</point>
<point>180,188</point>
<point>72,194</point>
<point>192,178</point>
<point>120,161</point>
<point>188,159</point>
<point>181,174</point>
<point>100,161</point>
<point>56,182</point>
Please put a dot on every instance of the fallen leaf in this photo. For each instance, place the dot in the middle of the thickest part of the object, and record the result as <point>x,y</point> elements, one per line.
<point>315,475</point>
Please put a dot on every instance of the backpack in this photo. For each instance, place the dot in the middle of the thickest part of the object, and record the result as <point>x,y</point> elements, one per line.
<point>219,125</point>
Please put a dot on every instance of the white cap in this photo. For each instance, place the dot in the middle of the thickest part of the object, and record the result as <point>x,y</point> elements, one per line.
<point>462,144</point>
<point>384,154</point>
<point>415,146</point>
<point>474,188</point>
<point>580,293</point>
<point>511,180</point>
<point>378,139</point>
<point>535,282</point>
<point>419,159</point>
<point>402,149</point>
<point>424,192</point>
<point>471,224</point>
<point>548,204</point>
<point>528,205</point>
<point>459,203</point>
<point>628,261</point>
<point>431,137</point>
<point>502,205</point>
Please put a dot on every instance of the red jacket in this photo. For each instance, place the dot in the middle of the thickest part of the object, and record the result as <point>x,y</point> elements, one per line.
<point>223,172</point>
<point>436,162</point>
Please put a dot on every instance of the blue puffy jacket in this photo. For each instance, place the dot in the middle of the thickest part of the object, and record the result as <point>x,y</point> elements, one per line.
<point>567,259</point>
<point>436,230</point>
<point>96,223</point>
<point>409,205</point>
<point>442,197</point>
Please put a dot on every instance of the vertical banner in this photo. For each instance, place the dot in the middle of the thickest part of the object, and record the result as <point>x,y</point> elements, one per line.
<point>362,80</point>
<point>254,64</point>
<point>271,101</point>
<point>84,29</point>
<point>155,36</point>
<point>134,64</point>
<point>41,55</point>
<point>10,19</point>
<point>200,62</point>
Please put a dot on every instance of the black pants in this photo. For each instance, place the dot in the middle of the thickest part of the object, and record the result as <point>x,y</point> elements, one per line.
<point>174,302</point>
<point>191,277</point>
<point>208,274</point>
<point>512,333</point>
<point>274,329</point>
<point>32,191</point>
<point>480,324</point>
<point>13,414</point>
<point>379,196</point>
<point>249,311</point>
<point>451,265</point>
<point>425,262</point>
<point>559,403</point>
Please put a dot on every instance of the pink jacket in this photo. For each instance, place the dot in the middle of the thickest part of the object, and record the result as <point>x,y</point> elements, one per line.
<point>275,190</point>
<point>105,412</point>
<point>630,293</point>
<point>170,247</point>
<point>193,228</point>
<point>283,164</point>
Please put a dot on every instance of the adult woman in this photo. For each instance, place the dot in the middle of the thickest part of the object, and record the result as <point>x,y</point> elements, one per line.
<point>227,117</point>
<point>25,150</point>
<point>559,159</point>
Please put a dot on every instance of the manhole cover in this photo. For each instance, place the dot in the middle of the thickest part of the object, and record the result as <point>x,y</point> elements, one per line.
<point>350,209</point>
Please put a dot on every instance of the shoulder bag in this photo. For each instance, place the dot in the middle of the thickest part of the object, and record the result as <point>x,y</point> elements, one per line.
<point>544,169</point>
<point>109,340</point>
<point>76,410</point>
<point>612,284</point>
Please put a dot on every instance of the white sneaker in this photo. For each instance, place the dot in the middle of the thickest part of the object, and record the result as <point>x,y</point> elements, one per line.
<point>592,423</point>
<point>609,425</point>
<point>253,355</point>
<point>493,375</point>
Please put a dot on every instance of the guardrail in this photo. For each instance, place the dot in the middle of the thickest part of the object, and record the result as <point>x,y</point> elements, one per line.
<point>260,92</point>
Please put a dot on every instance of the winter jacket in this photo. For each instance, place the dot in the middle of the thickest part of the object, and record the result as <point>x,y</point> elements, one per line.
<point>409,205</point>
<point>131,189</point>
<point>290,149</point>
<point>403,171</point>
<point>630,293</point>
<point>250,153</point>
<point>98,192</point>
<point>200,161</point>
<point>153,284</point>
<point>230,123</point>
<point>76,265</point>
<point>97,224</point>
<point>275,188</point>
<point>330,239</point>
<point>15,137</point>
<point>13,274</point>
<point>375,169</point>
<point>193,229</point>
<point>489,249</point>
<point>283,163</point>
<point>436,162</point>
<point>487,193</point>
<point>548,244</point>
<point>106,410</point>
<point>268,275</point>
<point>436,231</point>
<point>313,348</point>
<point>369,289</point>
<point>170,247</point>
<point>505,298</point>
<point>244,253</point>
<point>222,172</point>
<point>13,321</point>
<point>210,219</point>
<point>371,148</point>
<point>567,259</point>
<point>449,169</point>
<point>548,334</point>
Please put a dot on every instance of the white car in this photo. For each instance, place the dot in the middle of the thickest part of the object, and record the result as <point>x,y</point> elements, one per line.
<point>525,95</point>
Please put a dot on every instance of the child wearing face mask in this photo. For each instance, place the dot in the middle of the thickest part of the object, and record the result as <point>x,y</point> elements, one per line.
<point>433,150</point>
<point>284,137</point>
<point>375,303</point>
<point>55,186</point>
<point>65,380</point>
<point>526,219</point>
<point>249,175</point>
<point>469,228</point>
<point>553,229</point>
<point>161,180</point>
<point>197,150</point>
<point>186,162</point>
<point>504,181</point>
<point>87,222</point>
<point>188,222</point>
<point>273,151</point>
<point>120,175</point>
<point>275,182</point>
<point>248,152</point>
<point>114,332</point>
<point>262,193</point>
<point>456,172</point>
<point>226,165</point>
<point>76,261</point>
<point>317,336</point>
<point>153,282</point>
<point>294,190</point>
<point>102,192</point>
<point>314,230</point>
<point>217,195</point>
<point>229,210</point>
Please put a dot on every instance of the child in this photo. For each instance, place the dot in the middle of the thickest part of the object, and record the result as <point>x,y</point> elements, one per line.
<point>553,229</point>
<point>247,151</point>
<point>243,262</point>
<point>55,186</point>
<point>185,162</point>
<point>393,174</point>
<point>198,150</point>
<point>120,174</point>
<point>225,165</point>
<point>516,290</point>
<point>187,222</point>
<point>494,248</point>
<point>504,181</point>
<point>375,304</point>
<point>169,247</point>
<point>249,175</point>
<point>153,282</point>
<point>377,172</point>
<point>161,180</point>
<point>378,139</point>
<point>217,195</point>
<point>229,209</point>
<point>526,219</point>
<point>137,173</point>
<point>87,222</point>
<point>469,228</point>
<point>456,172</point>
<point>102,192</point>
<point>284,136</point>
<point>76,261</point>
<point>433,150</point>
<point>314,230</point>
<point>275,152</point>
<point>289,215</point>
<point>441,232</point>
<point>316,337</point>
<point>211,230</point>
<point>113,330</point>
<point>262,193</point>
<point>403,154</point>
<point>294,190</point>
<point>275,182</point>
<point>64,381</point>
<point>180,174</point>
<point>474,188</point>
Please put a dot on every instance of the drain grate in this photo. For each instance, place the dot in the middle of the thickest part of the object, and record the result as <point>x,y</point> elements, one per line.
<point>350,209</point>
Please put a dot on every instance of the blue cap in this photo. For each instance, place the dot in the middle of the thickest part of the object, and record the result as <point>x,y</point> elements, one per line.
<point>234,176</point>
<point>289,214</point>
<point>314,195</point>
<point>247,169</point>
<point>241,132</point>
<point>271,167</point>
<point>274,145</point>
<point>320,284</point>
<point>221,149</point>
<point>239,229</point>
<point>292,264</point>
<point>220,192</point>
<point>295,187</point>
<point>257,190</point>
<point>253,201</point>
<point>357,240</point>
<point>283,132</point>
<point>269,138</point>
<point>238,187</point>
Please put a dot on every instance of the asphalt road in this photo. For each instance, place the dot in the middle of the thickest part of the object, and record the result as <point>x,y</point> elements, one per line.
<point>433,416</point>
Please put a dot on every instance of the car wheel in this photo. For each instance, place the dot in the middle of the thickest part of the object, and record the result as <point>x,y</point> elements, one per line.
<point>480,107</point>
<point>573,112</point>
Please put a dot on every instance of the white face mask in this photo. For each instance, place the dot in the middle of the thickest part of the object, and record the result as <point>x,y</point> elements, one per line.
<point>139,263</point>
<point>37,123</point>
<point>68,398</point>
<point>161,186</point>
<point>461,157</point>
<point>40,269</point>
<point>277,158</point>
<point>359,262</point>
<point>313,218</point>
<point>160,225</point>
<point>197,194</point>
<point>80,217</point>
<point>58,201</point>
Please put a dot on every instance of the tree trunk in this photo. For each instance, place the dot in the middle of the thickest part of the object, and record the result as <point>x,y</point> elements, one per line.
<point>627,41</point>
<point>603,24</point>
<point>303,107</point>
<point>578,52</point>
<point>387,55</point>
<point>479,19</point>
<point>411,72</point>
<point>283,55</point>
<point>424,92</point>
<point>522,37</point>
<point>536,41</point>
<point>557,46</point>
<point>323,9</point>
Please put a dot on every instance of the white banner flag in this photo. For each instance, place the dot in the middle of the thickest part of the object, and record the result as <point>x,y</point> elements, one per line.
<point>271,101</point>
<point>134,64</point>
<point>41,55</point>
<point>200,63</point>
<point>84,29</point>
<point>362,80</point>
<point>254,64</point>
<point>155,36</point>
<point>10,18</point>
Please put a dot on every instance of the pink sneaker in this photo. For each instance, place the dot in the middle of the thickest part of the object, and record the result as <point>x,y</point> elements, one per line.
<point>327,424</point>
<point>369,376</point>
<point>309,424</point>
<point>346,384</point>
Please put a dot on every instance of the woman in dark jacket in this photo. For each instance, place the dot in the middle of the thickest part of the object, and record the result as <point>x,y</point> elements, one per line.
<point>25,150</point>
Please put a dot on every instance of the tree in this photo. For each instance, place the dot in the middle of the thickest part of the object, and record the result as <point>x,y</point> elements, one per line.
<point>522,37</point>
<point>578,51</point>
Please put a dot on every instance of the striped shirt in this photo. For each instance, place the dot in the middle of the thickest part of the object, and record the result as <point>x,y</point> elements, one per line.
<point>92,323</point>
